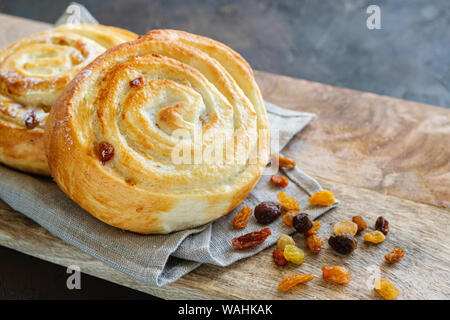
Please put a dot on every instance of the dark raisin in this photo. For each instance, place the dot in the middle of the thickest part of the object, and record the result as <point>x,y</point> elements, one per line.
<point>105,151</point>
<point>31,120</point>
<point>343,243</point>
<point>302,223</point>
<point>382,225</point>
<point>267,212</point>
<point>136,83</point>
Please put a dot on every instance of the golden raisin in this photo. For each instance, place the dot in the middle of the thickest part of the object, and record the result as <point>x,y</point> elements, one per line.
<point>386,289</point>
<point>284,240</point>
<point>284,162</point>
<point>314,229</point>
<point>374,236</point>
<point>279,181</point>
<point>336,274</point>
<point>287,202</point>
<point>322,198</point>
<point>346,227</point>
<point>395,255</point>
<point>360,222</point>
<point>294,254</point>
<point>314,244</point>
<point>290,281</point>
<point>278,257</point>
<point>289,216</point>
<point>241,218</point>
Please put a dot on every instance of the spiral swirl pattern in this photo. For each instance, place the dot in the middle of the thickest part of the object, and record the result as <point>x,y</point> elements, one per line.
<point>112,136</point>
<point>33,72</point>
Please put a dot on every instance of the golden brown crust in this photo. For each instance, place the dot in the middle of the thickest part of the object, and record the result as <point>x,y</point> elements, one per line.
<point>136,97</point>
<point>33,72</point>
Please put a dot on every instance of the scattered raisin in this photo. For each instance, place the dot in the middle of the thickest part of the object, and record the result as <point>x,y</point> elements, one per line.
<point>395,255</point>
<point>382,225</point>
<point>279,181</point>
<point>314,244</point>
<point>302,223</point>
<point>251,239</point>
<point>284,240</point>
<point>336,274</point>
<point>374,236</point>
<point>291,281</point>
<point>294,254</point>
<point>136,83</point>
<point>346,227</point>
<point>267,212</point>
<point>284,162</point>
<point>106,151</point>
<point>278,257</point>
<point>314,229</point>
<point>343,243</point>
<point>287,202</point>
<point>322,198</point>
<point>360,222</point>
<point>31,120</point>
<point>241,218</point>
<point>288,217</point>
<point>386,289</point>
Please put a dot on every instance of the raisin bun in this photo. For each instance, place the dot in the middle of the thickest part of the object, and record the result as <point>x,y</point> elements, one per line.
<point>160,134</point>
<point>33,72</point>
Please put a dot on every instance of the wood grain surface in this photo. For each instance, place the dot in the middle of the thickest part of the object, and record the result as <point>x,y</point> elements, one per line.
<point>380,156</point>
<point>389,145</point>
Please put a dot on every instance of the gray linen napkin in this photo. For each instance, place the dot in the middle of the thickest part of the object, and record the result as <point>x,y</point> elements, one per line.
<point>159,259</point>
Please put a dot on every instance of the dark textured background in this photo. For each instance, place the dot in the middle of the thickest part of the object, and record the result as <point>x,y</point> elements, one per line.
<point>325,41</point>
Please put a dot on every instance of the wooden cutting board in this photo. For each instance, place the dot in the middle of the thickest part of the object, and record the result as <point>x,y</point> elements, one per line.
<point>379,155</point>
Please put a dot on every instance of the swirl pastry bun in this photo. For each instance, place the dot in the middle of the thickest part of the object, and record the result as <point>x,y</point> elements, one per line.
<point>33,72</point>
<point>113,136</point>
